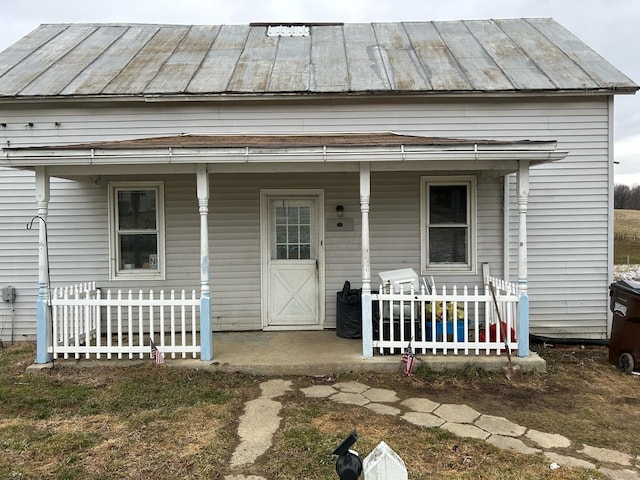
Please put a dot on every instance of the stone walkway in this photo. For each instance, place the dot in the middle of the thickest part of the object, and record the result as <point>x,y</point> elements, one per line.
<point>261,420</point>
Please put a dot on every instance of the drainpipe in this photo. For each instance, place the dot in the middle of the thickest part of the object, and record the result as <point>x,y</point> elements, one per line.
<point>206,333</point>
<point>42,309</point>
<point>523,300</point>
<point>365,196</point>
<point>506,212</point>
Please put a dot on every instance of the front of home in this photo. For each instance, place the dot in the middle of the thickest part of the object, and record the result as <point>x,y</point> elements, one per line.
<point>260,168</point>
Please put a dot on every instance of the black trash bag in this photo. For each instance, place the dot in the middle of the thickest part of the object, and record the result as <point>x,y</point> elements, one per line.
<point>349,312</point>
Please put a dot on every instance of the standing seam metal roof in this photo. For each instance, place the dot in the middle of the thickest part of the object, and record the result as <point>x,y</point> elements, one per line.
<point>474,56</point>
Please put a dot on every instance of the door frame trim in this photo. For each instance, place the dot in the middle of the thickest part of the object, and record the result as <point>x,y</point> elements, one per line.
<point>265,195</point>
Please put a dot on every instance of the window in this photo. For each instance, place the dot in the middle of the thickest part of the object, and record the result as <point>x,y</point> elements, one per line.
<point>448,208</point>
<point>293,230</point>
<point>137,230</point>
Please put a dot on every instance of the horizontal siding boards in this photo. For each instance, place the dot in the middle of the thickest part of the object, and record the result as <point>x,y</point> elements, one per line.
<point>567,220</point>
<point>18,254</point>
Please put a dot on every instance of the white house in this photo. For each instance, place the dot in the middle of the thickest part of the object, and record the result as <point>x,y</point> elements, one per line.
<point>263,165</point>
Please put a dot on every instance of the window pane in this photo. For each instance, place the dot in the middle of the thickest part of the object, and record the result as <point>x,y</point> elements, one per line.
<point>292,213</point>
<point>137,210</point>
<point>447,204</point>
<point>138,251</point>
<point>305,252</point>
<point>448,245</point>
<point>293,234</point>
<point>281,234</point>
<point>305,234</point>
<point>305,215</point>
<point>293,252</point>
<point>281,252</point>
<point>280,215</point>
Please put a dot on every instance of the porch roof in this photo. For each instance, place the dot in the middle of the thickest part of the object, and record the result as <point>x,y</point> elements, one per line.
<point>289,148</point>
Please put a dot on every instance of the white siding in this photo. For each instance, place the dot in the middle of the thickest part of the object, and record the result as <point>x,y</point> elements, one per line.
<point>567,215</point>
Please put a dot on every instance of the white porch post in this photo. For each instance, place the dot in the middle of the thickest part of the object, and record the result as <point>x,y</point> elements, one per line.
<point>523,302</point>
<point>367,327</point>
<point>206,334</point>
<point>43,339</point>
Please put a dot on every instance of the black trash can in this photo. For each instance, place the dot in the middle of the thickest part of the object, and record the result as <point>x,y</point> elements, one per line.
<point>624,344</point>
<point>349,312</point>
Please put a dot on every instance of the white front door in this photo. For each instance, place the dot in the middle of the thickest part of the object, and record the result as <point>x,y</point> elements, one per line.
<point>292,261</point>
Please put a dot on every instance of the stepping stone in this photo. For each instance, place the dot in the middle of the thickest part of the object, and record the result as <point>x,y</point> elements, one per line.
<point>456,413</point>
<point>510,443</point>
<point>620,474</point>
<point>566,461</point>
<point>257,425</point>
<point>606,455</point>
<point>351,387</point>
<point>423,419</point>
<point>381,395</point>
<point>465,430</point>
<point>383,409</point>
<point>420,405</point>
<point>350,398</point>
<point>274,388</point>
<point>548,440</point>
<point>499,426</point>
<point>318,391</point>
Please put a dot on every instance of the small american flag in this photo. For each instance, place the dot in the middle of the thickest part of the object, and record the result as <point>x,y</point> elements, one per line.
<point>156,354</point>
<point>409,360</point>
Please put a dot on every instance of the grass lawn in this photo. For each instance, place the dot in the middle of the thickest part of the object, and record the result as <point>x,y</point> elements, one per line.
<point>627,250</point>
<point>150,421</point>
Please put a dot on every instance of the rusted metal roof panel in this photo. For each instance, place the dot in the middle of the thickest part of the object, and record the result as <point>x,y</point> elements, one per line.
<point>217,68</point>
<point>400,60</point>
<point>328,60</point>
<point>291,72</point>
<point>93,79</point>
<point>440,67</point>
<point>147,63</point>
<point>180,67</point>
<point>479,56</point>
<point>253,69</point>
<point>364,60</point>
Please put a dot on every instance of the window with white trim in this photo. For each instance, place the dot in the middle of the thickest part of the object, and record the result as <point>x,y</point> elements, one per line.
<point>448,218</point>
<point>136,213</point>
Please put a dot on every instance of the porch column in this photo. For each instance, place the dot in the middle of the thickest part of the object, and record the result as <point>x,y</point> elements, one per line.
<point>43,321</point>
<point>206,334</point>
<point>523,301</point>
<point>367,328</point>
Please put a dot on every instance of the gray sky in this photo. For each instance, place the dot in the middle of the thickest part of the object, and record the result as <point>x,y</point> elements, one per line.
<point>608,26</point>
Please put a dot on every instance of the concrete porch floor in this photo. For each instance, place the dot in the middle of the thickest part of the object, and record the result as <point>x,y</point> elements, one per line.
<point>324,353</point>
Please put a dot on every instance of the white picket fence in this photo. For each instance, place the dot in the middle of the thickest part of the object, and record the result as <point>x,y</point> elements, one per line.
<point>85,322</point>
<point>409,317</point>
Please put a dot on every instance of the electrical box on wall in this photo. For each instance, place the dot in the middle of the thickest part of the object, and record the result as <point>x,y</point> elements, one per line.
<point>340,224</point>
<point>8,294</point>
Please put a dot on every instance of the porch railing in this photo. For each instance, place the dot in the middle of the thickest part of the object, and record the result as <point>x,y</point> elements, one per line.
<point>459,321</point>
<point>85,322</point>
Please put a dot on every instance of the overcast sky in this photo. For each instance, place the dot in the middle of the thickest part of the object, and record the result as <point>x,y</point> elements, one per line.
<point>608,26</point>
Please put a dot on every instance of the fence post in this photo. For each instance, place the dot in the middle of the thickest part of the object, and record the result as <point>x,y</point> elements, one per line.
<point>384,464</point>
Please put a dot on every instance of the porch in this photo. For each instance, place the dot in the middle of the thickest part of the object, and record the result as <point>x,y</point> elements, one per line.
<point>88,323</point>
<point>318,353</point>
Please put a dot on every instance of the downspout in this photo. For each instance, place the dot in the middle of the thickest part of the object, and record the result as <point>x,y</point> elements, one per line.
<point>506,211</point>
<point>365,198</point>
<point>610,216</point>
<point>523,297</point>
<point>206,333</point>
<point>43,338</point>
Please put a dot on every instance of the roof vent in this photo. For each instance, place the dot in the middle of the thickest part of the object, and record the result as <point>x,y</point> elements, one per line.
<point>287,31</point>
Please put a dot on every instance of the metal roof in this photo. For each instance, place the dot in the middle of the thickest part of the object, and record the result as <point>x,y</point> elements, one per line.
<point>139,60</point>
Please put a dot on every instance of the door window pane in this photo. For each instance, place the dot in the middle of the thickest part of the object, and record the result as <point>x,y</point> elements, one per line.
<point>292,230</point>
